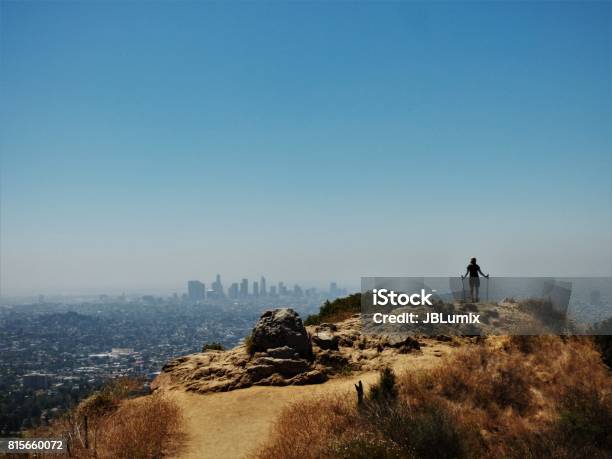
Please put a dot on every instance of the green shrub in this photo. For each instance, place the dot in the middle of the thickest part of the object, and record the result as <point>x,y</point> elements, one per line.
<point>214,346</point>
<point>385,389</point>
<point>426,431</point>
<point>108,398</point>
<point>603,340</point>
<point>337,310</point>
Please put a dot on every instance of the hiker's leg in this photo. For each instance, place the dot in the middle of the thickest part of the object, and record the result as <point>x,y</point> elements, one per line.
<point>476,300</point>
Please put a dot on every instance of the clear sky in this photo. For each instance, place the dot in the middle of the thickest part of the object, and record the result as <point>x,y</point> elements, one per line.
<point>144,144</point>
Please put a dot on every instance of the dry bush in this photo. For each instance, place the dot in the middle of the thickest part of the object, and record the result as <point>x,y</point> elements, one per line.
<point>107,399</point>
<point>365,445</point>
<point>108,425</point>
<point>309,429</point>
<point>426,429</point>
<point>147,427</point>
<point>248,344</point>
<point>507,397</point>
<point>487,379</point>
<point>526,344</point>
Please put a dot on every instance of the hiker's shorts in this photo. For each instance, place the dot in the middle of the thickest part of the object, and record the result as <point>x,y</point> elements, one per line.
<point>474,282</point>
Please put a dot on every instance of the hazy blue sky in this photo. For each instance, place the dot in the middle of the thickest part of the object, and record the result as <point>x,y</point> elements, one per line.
<point>144,144</point>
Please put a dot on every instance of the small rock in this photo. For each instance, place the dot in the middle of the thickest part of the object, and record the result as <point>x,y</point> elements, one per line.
<point>310,377</point>
<point>326,340</point>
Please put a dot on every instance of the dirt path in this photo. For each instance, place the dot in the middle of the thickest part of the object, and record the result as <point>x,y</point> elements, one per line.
<point>233,424</point>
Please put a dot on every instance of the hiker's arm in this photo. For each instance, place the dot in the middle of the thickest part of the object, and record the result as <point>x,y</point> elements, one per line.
<point>485,275</point>
<point>467,271</point>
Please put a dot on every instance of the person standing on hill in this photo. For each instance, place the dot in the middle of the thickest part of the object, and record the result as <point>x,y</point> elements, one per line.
<point>472,271</point>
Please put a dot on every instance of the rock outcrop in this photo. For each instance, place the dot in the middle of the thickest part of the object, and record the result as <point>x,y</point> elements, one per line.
<point>281,351</point>
<point>281,328</point>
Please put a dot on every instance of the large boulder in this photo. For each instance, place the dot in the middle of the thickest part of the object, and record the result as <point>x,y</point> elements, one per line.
<point>279,328</point>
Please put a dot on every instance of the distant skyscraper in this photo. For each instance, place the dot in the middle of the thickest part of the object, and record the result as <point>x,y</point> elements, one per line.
<point>196,290</point>
<point>333,288</point>
<point>217,287</point>
<point>256,288</point>
<point>262,286</point>
<point>244,288</point>
<point>232,292</point>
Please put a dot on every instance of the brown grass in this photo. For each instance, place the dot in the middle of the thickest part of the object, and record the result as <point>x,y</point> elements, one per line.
<point>108,424</point>
<point>506,397</point>
<point>305,435</point>
<point>143,428</point>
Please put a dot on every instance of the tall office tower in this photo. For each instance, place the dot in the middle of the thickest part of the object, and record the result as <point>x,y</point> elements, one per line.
<point>255,288</point>
<point>262,286</point>
<point>244,288</point>
<point>218,287</point>
<point>333,288</point>
<point>282,290</point>
<point>232,292</point>
<point>196,290</point>
<point>297,291</point>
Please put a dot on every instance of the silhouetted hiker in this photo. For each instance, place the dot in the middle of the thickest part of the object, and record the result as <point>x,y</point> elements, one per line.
<point>472,271</point>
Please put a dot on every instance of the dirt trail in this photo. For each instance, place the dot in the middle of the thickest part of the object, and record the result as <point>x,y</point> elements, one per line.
<point>233,424</point>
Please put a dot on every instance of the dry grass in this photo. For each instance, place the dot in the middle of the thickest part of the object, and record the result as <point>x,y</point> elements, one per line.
<point>302,430</point>
<point>108,424</point>
<point>513,397</point>
<point>149,427</point>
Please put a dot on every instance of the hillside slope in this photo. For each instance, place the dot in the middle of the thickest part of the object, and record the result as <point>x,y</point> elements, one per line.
<point>234,424</point>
